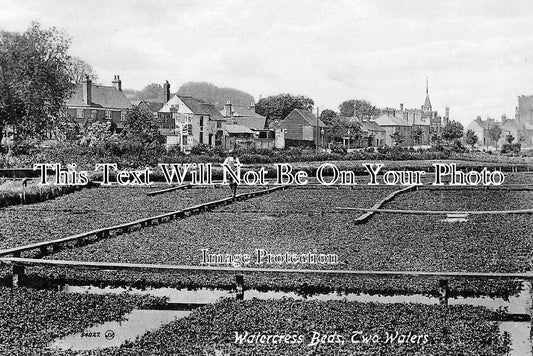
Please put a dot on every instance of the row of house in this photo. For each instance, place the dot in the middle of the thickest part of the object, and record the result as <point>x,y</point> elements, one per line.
<point>521,127</point>
<point>186,121</point>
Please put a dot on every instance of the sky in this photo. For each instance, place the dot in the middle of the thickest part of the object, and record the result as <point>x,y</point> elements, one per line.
<point>478,55</point>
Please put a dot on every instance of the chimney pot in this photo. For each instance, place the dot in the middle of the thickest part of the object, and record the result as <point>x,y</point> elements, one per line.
<point>117,83</point>
<point>87,86</point>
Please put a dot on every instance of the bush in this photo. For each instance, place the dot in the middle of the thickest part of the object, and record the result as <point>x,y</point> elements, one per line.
<point>511,148</point>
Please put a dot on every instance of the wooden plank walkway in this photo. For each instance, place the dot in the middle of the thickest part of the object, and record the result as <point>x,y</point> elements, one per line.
<point>30,262</point>
<point>171,189</point>
<point>369,212</point>
<point>133,225</point>
<point>441,212</point>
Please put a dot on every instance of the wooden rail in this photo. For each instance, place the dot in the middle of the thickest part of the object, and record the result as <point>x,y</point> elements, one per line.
<point>363,218</point>
<point>441,212</point>
<point>183,186</point>
<point>132,225</point>
<point>19,264</point>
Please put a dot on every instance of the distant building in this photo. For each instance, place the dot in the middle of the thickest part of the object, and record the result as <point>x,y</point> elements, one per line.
<point>424,119</point>
<point>521,131</point>
<point>395,125</point>
<point>245,116</point>
<point>372,135</point>
<point>482,128</point>
<point>524,110</point>
<point>302,128</point>
<point>187,122</point>
<point>150,107</point>
<point>89,103</point>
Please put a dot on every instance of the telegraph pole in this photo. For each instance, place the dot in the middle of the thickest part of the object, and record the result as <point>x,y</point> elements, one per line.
<point>316,146</point>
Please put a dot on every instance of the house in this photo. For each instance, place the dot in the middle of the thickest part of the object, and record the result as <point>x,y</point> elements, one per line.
<point>521,131</point>
<point>373,134</point>
<point>245,116</point>
<point>198,122</point>
<point>302,128</point>
<point>238,137</point>
<point>89,103</point>
<point>395,126</point>
<point>482,130</point>
<point>426,122</point>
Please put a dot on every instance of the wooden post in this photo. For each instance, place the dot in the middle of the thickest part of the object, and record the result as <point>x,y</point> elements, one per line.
<point>18,274</point>
<point>239,279</point>
<point>443,291</point>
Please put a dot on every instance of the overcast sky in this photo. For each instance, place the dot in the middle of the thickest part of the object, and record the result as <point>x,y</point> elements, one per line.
<point>477,54</point>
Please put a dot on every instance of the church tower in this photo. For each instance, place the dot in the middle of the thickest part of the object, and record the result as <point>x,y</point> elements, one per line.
<point>427,103</point>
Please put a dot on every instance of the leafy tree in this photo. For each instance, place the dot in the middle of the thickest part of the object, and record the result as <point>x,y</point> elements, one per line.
<point>471,138</point>
<point>34,80</point>
<point>141,127</point>
<point>277,107</point>
<point>495,133</point>
<point>417,134</point>
<point>397,138</point>
<point>340,128</point>
<point>362,108</point>
<point>509,138</point>
<point>98,134</point>
<point>452,131</point>
<point>327,115</point>
<point>78,69</point>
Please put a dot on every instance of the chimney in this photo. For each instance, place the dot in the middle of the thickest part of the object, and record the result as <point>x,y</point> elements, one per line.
<point>227,107</point>
<point>447,112</point>
<point>87,84</point>
<point>401,107</point>
<point>117,83</point>
<point>252,105</point>
<point>166,90</point>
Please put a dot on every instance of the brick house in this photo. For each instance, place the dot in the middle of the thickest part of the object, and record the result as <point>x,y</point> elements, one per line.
<point>302,128</point>
<point>89,103</point>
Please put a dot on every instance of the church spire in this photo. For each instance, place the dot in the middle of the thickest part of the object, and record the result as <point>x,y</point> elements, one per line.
<point>427,103</point>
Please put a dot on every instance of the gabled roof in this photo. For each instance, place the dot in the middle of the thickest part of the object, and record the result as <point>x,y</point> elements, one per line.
<point>212,111</point>
<point>389,120</point>
<point>371,126</point>
<point>195,105</point>
<point>244,111</point>
<point>155,106</point>
<point>238,129</point>
<point>101,97</point>
<point>308,116</point>
<point>519,126</point>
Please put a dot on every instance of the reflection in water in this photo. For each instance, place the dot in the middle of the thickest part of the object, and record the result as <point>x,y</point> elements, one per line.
<point>116,333</point>
<point>519,332</point>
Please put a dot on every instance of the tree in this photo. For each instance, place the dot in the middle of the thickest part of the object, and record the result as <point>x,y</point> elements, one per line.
<point>78,69</point>
<point>327,115</point>
<point>471,138</point>
<point>362,108</point>
<point>34,80</point>
<point>152,91</point>
<point>495,133</point>
<point>340,128</point>
<point>397,138</point>
<point>509,138</point>
<point>277,107</point>
<point>140,127</point>
<point>417,134</point>
<point>452,131</point>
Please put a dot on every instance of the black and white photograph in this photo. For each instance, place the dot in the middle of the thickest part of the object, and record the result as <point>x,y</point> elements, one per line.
<point>243,177</point>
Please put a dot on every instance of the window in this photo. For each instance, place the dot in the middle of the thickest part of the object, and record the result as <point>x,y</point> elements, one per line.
<point>108,114</point>
<point>201,137</point>
<point>93,114</point>
<point>123,116</point>
<point>79,113</point>
<point>219,124</point>
<point>201,122</point>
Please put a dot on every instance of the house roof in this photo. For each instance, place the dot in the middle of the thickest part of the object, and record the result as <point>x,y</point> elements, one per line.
<point>101,97</point>
<point>198,107</point>
<point>308,116</point>
<point>389,120</point>
<point>371,126</point>
<point>237,129</point>
<point>154,106</point>
<point>254,123</point>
